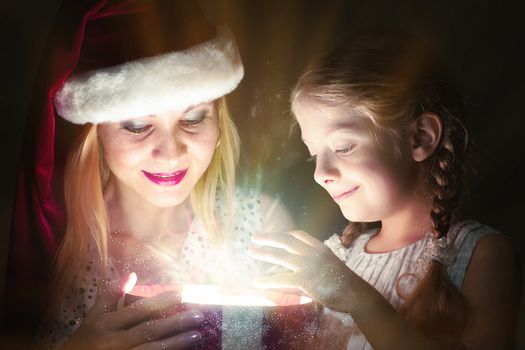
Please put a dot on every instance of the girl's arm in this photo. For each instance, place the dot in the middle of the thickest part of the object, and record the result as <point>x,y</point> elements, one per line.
<point>492,290</point>
<point>317,272</point>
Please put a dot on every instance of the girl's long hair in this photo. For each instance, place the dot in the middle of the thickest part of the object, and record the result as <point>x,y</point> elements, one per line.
<point>86,175</point>
<point>392,79</point>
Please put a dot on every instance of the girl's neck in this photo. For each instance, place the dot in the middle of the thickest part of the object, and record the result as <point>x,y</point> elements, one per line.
<point>131,215</point>
<point>404,227</point>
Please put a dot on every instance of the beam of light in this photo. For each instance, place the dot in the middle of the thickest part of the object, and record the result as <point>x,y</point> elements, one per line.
<point>210,294</point>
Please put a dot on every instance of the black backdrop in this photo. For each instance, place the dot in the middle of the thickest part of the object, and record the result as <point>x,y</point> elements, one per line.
<point>482,40</point>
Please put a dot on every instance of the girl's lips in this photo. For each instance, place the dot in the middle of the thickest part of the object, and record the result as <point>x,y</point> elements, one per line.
<point>344,195</point>
<point>166,179</point>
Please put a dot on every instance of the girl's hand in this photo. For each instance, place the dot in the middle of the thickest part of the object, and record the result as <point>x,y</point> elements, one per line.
<point>146,324</point>
<point>315,270</point>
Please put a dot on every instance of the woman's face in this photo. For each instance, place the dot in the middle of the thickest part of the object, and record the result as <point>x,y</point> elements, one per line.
<point>363,176</point>
<point>160,158</point>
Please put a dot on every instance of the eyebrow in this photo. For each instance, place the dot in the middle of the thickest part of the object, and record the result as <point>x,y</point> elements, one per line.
<point>350,127</point>
<point>196,106</point>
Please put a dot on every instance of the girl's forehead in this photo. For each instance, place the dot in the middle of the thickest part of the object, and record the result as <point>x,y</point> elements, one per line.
<point>323,116</point>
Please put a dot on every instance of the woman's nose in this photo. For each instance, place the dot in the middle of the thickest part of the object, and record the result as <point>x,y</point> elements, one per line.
<point>169,146</point>
<point>326,170</point>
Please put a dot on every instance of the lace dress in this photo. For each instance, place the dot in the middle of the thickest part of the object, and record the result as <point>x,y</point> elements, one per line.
<point>197,263</point>
<point>382,270</point>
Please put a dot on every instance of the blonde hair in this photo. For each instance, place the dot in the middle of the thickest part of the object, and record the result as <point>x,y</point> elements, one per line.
<point>86,176</point>
<point>392,79</point>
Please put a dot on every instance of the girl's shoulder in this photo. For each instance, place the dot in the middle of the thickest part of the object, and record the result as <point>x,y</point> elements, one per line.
<point>342,252</point>
<point>468,232</point>
<point>465,237</point>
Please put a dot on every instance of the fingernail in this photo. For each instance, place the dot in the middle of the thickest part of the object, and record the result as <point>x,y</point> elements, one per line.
<point>192,337</point>
<point>196,315</point>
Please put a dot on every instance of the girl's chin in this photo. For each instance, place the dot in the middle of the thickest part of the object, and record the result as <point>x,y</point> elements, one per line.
<point>353,215</point>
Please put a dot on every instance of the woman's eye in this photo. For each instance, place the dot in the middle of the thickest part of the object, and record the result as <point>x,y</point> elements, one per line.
<point>344,150</point>
<point>194,118</point>
<point>136,129</point>
<point>191,123</point>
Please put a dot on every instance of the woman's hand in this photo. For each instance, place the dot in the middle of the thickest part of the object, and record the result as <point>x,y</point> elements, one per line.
<point>146,324</point>
<point>315,270</point>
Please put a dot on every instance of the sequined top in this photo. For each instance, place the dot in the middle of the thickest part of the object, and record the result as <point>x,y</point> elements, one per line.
<point>199,259</point>
<point>394,273</point>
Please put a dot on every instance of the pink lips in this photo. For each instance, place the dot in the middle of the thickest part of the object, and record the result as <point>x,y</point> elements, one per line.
<point>166,179</point>
<point>344,195</point>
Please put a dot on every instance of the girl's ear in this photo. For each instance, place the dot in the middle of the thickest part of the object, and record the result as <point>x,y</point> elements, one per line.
<point>425,135</point>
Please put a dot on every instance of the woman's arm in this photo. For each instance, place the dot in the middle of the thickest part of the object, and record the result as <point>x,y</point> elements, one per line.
<point>492,289</point>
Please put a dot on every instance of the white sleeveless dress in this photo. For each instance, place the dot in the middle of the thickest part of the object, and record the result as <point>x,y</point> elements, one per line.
<point>382,271</point>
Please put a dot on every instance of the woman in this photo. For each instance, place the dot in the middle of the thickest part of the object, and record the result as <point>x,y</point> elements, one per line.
<point>150,182</point>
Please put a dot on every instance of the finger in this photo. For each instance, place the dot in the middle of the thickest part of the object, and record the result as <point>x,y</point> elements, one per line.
<point>178,342</point>
<point>308,239</point>
<point>160,328</point>
<point>277,256</point>
<point>107,298</point>
<point>144,309</point>
<point>282,240</point>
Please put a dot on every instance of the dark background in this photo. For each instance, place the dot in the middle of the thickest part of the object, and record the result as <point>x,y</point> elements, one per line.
<point>483,42</point>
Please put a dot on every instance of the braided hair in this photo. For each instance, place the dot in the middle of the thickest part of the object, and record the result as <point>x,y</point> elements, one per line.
<point>393,79</point>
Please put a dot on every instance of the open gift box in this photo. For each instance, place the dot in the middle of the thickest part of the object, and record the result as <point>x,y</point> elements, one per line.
<point>246,320</point>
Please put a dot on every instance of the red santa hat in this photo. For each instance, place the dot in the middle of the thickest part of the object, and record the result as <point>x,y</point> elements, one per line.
<point>105,60</point>
<point>140,57</point>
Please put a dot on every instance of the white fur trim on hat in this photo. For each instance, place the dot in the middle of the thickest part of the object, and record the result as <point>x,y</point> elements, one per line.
<point>172,81</point>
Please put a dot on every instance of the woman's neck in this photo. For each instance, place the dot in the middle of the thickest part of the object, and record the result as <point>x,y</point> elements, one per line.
<point>128,213</point>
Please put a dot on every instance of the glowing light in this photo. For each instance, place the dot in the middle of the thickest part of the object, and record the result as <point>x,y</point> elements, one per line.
<point>130,283</point>
<point>213,295</point>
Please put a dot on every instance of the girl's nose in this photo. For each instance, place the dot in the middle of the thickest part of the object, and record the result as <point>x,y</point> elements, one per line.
<point>326,170</point>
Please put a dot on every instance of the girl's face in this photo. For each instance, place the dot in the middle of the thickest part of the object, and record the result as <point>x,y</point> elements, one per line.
<point>363,176</point>
<point>160,158</point>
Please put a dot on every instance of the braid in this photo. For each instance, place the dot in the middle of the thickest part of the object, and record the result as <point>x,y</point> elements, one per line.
<point>444,322</point>
<point>352,231</point>
<point>445,175</point>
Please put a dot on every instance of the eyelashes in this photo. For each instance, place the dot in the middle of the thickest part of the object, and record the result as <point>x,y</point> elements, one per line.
<point>135,128</point>
<point>192,123</point>
<point>343,151</point>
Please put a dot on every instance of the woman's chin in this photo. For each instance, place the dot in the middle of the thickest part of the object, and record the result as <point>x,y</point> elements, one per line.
<point>166,201</point>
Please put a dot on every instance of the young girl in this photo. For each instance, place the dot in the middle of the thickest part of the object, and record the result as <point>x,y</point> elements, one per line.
<point>150,182</point>
<point>386,132</point>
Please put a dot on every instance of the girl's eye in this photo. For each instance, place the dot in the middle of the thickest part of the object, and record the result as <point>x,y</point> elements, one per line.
<point>345,150</point>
